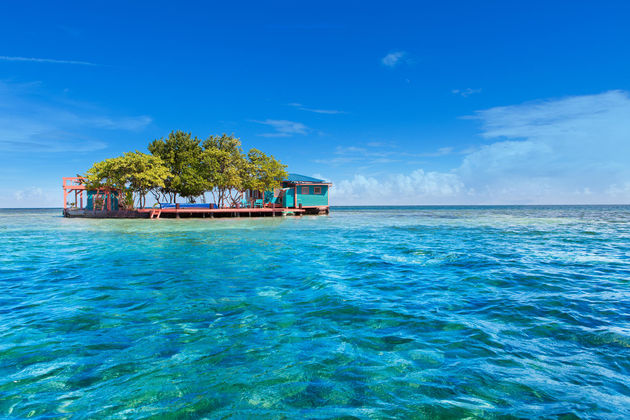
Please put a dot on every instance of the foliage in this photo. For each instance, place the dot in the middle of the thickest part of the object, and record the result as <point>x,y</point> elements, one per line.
<point>134,172</point>
<point>181,154</point>
<point>127,201</point>
<point>264,172</point>
<point>224,168</point>
<point>181,165</point>
<point>98,203</point>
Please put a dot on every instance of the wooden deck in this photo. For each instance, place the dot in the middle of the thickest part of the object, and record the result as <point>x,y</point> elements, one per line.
<point>156,213</point>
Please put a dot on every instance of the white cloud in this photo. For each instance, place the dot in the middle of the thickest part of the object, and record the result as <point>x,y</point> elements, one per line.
<point>30,123</point>
<point>45,60</point>
<point>377,153</point>
<point>393,58</point>
<point>548,150</point>
<point>31,197</point>
<point>414,188</point>
<point>29,193</point>
<point>620,190</point>
<point>560,151</point>
<point>465,92</point>
<point>123,123</point>
<point>315,110</point>
<point>283,128</point>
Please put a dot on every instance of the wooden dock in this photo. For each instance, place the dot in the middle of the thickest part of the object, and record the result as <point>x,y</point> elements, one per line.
<point>190,212</point>
<point>156,213</point>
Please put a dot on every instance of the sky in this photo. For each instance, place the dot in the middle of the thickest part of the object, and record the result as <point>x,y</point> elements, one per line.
<point>450,102</point>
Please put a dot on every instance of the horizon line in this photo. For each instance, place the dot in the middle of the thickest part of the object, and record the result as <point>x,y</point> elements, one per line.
<point>400,205</point>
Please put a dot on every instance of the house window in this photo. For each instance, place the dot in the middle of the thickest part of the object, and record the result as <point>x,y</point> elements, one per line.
<point>304,190</point>
<point>317,190</point>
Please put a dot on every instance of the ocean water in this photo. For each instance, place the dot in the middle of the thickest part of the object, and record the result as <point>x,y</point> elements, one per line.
<point>423,312</point>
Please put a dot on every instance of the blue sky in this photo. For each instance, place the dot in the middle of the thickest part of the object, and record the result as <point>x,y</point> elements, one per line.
<point>448,102</point>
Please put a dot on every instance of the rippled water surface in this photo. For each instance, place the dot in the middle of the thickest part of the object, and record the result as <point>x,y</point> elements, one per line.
<point>367,313</point>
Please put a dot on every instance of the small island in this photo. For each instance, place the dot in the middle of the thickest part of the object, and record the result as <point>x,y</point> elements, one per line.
<point>213,178</point>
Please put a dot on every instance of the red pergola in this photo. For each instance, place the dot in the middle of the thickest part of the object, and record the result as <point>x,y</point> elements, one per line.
<point>76,185</point>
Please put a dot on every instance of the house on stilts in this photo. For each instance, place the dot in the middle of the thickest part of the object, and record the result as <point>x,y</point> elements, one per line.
<point>300,192</point>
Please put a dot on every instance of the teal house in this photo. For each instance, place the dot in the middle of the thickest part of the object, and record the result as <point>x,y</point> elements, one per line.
<point>101,200</point>
<point>301,191</point>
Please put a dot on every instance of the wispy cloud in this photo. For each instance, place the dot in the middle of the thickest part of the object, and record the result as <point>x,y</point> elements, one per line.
<point>31,197</point>
<point>122,123</point>
<point>465,92</point>
<point>315,110</point>
<point>45,60</point>
<point>398,188</point>
<point>442,151</point>
<point>394,58</point>
<point>548,150</point>
<point>570,150</point>
<point>32,122</point>
<point>283,128</point>
<point>373,153</point>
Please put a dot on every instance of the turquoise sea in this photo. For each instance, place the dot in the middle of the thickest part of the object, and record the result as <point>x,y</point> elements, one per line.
<point>417,312</point>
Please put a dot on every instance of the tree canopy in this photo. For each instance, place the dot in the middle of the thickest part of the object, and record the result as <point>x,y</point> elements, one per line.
<point>183,165</point>
<point>181,153</point>
<point>264,172</point>
<point>134,171</point>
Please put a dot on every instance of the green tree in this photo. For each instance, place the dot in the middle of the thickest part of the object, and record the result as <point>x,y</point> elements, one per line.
<point>264,172</point>
<point>224,168</point>
<point>134,172</point>
<point>105,174</point>
<point>143,173</point>
<point>180,165</point>
<point>182,155</point>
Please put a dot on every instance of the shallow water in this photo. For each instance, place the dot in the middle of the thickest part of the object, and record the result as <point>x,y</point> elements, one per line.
<point>367,313</point>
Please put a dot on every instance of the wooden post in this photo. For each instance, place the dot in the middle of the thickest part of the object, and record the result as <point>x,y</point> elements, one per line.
<point>295,196</point>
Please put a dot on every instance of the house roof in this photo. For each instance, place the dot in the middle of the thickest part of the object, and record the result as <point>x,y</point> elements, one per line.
<point>297,178</point>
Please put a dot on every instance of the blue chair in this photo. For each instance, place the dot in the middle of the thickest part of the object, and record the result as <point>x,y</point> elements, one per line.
<point>258,203</point>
